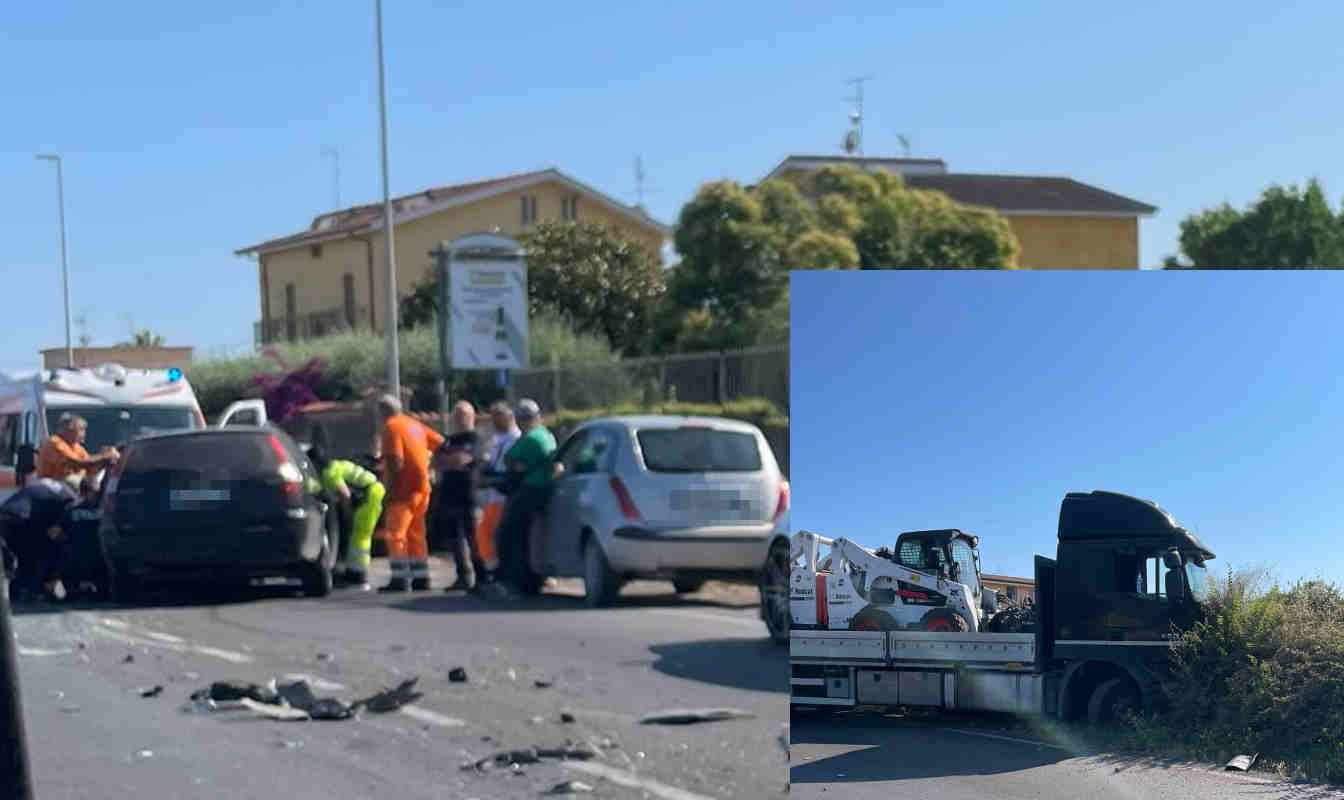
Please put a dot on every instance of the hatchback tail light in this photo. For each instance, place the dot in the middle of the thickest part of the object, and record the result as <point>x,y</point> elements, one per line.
<point>785,495</point>
<point>628,508</point>
<point>289,472</point>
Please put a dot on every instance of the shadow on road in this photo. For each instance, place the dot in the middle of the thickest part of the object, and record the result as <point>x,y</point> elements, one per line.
<point>439,602</point>
<point>166,596</point>
<point>757,665</point>
<point>887,750</point>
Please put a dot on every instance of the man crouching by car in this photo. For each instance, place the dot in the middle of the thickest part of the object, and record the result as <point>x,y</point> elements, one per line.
<point>33,524</point>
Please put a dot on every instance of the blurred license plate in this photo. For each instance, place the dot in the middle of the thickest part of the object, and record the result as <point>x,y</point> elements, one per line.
<point>195,498</point>
<point>728,504</point>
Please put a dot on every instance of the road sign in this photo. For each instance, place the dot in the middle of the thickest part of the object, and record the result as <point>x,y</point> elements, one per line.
<point>488,299</point>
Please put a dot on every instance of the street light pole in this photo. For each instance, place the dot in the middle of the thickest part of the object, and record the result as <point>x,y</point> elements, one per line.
<point>393,353</point>
<point>65,272</point>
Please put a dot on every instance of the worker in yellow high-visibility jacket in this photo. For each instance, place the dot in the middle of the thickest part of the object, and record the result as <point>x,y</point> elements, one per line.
<point>359,489</point>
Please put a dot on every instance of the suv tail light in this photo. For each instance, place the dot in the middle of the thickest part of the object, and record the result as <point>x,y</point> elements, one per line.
<point>785,495</point>
<point>288,470</point>
<point>628,508</point>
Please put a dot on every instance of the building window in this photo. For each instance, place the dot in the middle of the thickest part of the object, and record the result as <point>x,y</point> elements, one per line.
<point>569,207</point>
<point>529,209</point>
<point>316,250</point>
<point>349,282</point>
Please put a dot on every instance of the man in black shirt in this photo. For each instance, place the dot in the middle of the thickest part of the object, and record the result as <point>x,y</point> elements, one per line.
<point>33,523</point>
<point>457,508</point>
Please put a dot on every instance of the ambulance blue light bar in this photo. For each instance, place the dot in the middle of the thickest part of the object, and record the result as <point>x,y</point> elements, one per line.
<point>174,374</point>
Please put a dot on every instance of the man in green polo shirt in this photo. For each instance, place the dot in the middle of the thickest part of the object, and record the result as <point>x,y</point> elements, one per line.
<point>531,464</point>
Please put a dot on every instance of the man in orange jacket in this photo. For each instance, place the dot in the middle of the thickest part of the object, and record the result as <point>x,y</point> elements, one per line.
<point>407,446</point>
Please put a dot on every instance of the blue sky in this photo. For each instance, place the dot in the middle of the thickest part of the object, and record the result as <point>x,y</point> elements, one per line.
<point>190,130</point>
<point>978,400</point>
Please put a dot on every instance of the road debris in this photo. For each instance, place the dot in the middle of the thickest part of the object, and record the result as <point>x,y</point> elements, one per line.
<point>280,712</point>
<point>324,656</point>
<point>688,716</point>
<point>151,691</point>
<point>566,717</point>
<point>238,690</point>
<point>145,754</point>
<point>1242,762</point>
<point>298,694</point>
<point>392,699</point>
<point>457,675</point>
<point>542,684</point>
<point>129,659</point>
<point>531,755</point>
<point>570,787</point>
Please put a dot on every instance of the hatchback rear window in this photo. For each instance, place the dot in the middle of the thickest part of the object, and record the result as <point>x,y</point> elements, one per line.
<point>699,450</point>
<point>246,455</point>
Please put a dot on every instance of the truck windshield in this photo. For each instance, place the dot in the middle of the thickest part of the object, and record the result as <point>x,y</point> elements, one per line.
<point>1198,579</point>
<point>114,425</point>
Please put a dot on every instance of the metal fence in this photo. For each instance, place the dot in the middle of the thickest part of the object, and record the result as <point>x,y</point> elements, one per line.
<point>713,378</point>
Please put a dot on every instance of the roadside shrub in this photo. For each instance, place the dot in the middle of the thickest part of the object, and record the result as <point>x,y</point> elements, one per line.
<point>1263,673</point>
<point>354,361</point>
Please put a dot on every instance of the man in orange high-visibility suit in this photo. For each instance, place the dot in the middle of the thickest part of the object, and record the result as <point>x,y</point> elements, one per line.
<point>406,446</point>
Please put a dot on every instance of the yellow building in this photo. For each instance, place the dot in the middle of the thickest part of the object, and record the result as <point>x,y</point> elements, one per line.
<point>333,276</point>
<point>1059,222</point>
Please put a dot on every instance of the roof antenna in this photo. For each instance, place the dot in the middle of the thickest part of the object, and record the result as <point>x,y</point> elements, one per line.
<point>854,139</point>
<point>639,181</point>
<point>905,144</point>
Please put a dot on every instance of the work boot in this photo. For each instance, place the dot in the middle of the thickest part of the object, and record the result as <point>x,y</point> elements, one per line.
<point>356,580</point>
<point>420,585</point>
<point>395,585</point>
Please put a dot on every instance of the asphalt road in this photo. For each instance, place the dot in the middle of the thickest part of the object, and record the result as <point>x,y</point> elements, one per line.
<point>91,734</point>
<point>861,756</point>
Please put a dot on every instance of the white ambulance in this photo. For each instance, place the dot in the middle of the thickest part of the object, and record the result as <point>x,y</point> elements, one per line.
<point>120,404</point>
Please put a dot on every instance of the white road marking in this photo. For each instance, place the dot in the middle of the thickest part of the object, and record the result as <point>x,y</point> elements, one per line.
<point>739,619</point>
<point>114,623</point>
<point>632,781</point>
<point>1031,742</point>
<point>40,651</point>
<point>164,637</point>
<point>320,684</point>
<point>432,717</point>
<point>179,646</point>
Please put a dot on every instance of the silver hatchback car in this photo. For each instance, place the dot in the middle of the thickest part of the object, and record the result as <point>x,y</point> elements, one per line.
<point>682,498</point>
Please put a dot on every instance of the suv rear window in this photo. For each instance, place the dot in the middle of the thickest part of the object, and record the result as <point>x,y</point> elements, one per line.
<point>699,450</point>
<point>242,455</point>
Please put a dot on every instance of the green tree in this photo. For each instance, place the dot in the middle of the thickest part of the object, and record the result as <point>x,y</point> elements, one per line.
<point>593,277</point>
<point>1287,228</point>
<point>144,338</point>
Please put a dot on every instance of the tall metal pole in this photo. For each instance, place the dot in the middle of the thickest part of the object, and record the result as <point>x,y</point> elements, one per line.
<point>393,352</point>
<point>65,272</point>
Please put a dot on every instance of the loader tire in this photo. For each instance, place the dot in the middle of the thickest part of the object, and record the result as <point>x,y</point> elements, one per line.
<point>1014,619</point>
<point>873,619</point>
<point>944,620</point>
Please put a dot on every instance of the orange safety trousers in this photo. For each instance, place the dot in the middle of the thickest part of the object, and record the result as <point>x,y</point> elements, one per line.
<point>404,521</point>
<point>485,534</point>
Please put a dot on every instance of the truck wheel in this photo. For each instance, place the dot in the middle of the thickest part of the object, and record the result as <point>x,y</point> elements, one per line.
<point>1111,701</point>
<point>873,619</point>
<point>944,620</point>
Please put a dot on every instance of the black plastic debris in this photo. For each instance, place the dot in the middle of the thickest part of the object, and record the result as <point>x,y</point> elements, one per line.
<point>324,656</point>
<point>129,659</point>
<point>570,787</point>
<point>392,699</point>
<point>298,694</point>
<point>531,755</point>
<point>457,675</point>
<point>153,691</point>
<point>688,716</point>
<point>542,684</point>
<point>566,717</point>
<point>224,691</point>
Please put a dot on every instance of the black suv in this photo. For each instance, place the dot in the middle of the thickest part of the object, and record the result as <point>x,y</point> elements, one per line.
<point>227,504</point>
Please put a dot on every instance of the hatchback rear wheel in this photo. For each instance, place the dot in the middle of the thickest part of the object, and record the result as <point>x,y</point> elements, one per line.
<point>775,592</point>
<point>600,583</point>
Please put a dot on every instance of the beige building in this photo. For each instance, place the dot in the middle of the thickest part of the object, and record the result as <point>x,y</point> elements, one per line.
<point>1017,590</point>
<point>1059,222</point>
<point>332,276</point>
<point>129,357</point>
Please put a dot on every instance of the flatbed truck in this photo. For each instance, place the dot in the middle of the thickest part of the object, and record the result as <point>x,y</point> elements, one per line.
<point>1126,579</point>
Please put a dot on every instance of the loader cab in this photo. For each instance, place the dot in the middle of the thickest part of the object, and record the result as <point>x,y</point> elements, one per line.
<point>949,554</point>
<point>1126,571</point>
